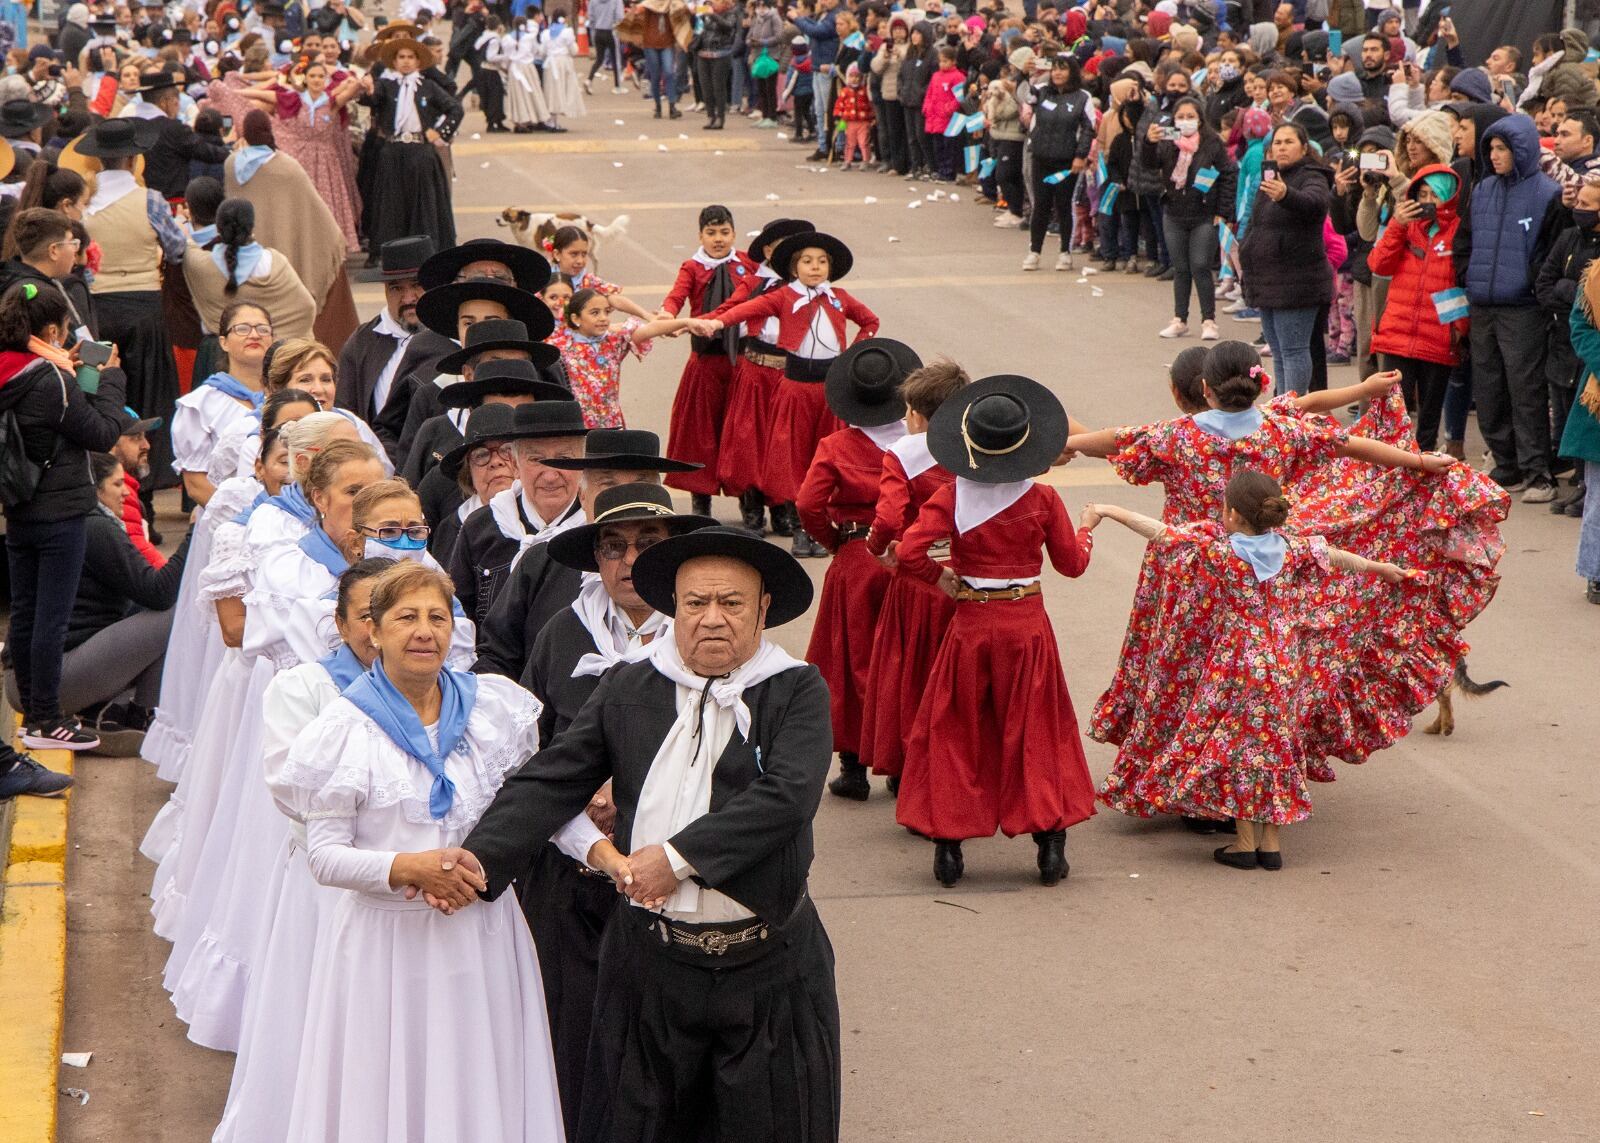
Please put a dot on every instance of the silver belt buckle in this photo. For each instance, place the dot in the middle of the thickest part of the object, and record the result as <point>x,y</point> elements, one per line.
<point>714,943</point>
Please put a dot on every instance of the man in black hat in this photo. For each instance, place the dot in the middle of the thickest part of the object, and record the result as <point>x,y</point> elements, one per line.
<point>541,503</point>
<point>22,122</point>
<point>371,359</point>
<point>166,163</point>
<point>716,1013</point>
<point>538,586</point>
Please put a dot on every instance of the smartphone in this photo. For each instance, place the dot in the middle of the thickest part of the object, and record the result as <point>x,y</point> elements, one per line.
<point>1269,171</point>
<point>380,21</point>
<point>1374,161</point>
<point>1335,41</point>
<point>94,353</point>
<point>227,124</point>
<point>1171,134</point>
<point>1427,211</point>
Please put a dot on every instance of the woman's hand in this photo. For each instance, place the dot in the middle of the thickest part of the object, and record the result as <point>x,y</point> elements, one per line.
<point>1379,384</point>
<point>1344,179</point>
<point>1091,517</point>
<point>890,557</point>
<point>1393,573</point>
<point>115,360</point>
<point>1435,462</point>
<point>1274,189</point>
<point>1154,134</point>
<point>449,879</point>
<point>1407,210</point>
<point>705,327</point>
<point>949,582</point>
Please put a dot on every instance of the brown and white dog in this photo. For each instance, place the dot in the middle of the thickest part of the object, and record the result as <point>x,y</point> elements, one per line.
<point>1445,722</point>
<point>533,228</point>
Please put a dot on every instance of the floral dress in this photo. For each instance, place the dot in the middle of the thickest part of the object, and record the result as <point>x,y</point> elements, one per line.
<point>594,370</point>
<point>319,141</point>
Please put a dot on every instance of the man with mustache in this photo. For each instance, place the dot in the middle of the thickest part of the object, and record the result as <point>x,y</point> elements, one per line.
<point>369,363</point>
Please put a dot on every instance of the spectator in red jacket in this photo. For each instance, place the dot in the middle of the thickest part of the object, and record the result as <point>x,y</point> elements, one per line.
<point>1424,321</point>
<point>854,107</point>
<point>133,450</point>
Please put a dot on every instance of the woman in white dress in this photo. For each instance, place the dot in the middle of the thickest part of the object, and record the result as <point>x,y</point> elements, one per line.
<point>222,399</point>
<point>525,102</point>
<point>562,91</point>
<point>274,1007</point>
<point>419,1025</point>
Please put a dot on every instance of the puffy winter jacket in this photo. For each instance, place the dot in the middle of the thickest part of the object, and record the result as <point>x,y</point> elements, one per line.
<point>60,426</point>
<point>1568,80</point>
<point>1514,218</point>
<point>1282,255</point>
<point>1419,258</point>
<point>116,579</point>
<point>1188,206</point>
<point>1062,128</point>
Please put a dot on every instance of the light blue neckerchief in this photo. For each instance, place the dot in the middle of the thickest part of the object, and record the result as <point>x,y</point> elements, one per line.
<point>293,501</point>
<point>1229,426</point>
<point>203,234</point>
<point>235,388</point>
<point>319,547</point>
<point>343,666</point>
<point>376,697</point>
<point>249,256</point>
<point>249,160</point>
<point>1264,553</point>
<point>313,103</point>
<point>244,516</point>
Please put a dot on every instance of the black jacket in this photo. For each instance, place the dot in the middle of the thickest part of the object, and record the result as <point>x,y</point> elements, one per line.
<point>1556,287</point>
<point>117,580</point>
<point>481,560</point>
<point>756,843</point>
<point>441,501</point>
<point>537,588</point>
<point>1190,207</point>
<point>60,426</point>
<point>362,359</point>
<point>166,164</point>
<point>72,288</point>
<point>1282,255</point>
<point>1062,128</point>
<point>437,109</point>
<point>556,652</point>
<point>1223,100</point>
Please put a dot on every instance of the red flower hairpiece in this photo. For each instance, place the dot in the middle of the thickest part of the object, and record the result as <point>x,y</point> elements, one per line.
<point>1263,378</point>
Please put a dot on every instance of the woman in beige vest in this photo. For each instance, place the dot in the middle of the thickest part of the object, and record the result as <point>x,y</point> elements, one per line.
<point>135,231</point>
<point>240,269</point>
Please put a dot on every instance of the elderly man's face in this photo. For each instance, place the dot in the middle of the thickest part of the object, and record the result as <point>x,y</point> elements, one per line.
<point>721,610</point>
<point>596,480</point>
<point>616,549</point>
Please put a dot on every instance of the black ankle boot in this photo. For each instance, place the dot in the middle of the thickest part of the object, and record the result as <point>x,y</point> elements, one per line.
<point>1052,856</point>
<point>852,781</point>
<point>752,508</point>
<point>894,785</point>
<point>700,504</point>
<point>803,547</point>
<point>947,864</point>
<point>783,519</point>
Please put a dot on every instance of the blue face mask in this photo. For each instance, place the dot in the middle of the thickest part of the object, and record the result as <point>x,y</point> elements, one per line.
<point>404,548</point>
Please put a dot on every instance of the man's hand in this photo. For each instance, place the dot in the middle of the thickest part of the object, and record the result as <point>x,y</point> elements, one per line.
<point>653,879</point>
<point>448,879</point>
<point>602,811</point>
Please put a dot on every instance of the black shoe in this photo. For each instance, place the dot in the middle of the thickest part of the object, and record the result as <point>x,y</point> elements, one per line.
<point>700,504</point>
<point>1592,592</point>
<point>1574,509</point>
<point>783,519</point>
<point>1153,270</point>
<point>1558,507</point>
<point>1166,275</point>
<point>555,130</point>
<point>852,781</point>
<point>1510,481</point>
<point>65,733</point>
<point>154,536</point>
<point>25,776</point>
<point>673,112</point>
<point>658,111</point>
<point>1052,856</point>
<point>803,547</point>
<point>817,156</point>
<point>947,864</point>
<point>1272,860</point>
<point>1235,860</point>
<point>1204,825</point>
<point>121,729</point>
<point>894,785</point>
<point>752,511</point>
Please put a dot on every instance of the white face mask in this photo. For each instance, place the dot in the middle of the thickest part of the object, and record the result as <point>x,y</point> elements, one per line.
<point>1188,126</point>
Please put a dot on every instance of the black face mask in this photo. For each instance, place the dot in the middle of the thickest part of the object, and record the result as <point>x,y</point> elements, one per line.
<point>1586,219</point>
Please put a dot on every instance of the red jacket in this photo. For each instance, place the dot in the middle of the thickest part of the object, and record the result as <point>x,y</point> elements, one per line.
<point>841,486</point>
<point>693,279</point>
<point>854,105</point>
<point>1419,265</point>
<point>901,495</point>
<point>133,520</point>
<point>1009,545</point>
<point>795,313</point>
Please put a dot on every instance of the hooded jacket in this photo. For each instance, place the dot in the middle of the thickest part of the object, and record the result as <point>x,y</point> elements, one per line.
<point>1514,218</point>
<point>60,426</point>
<point>1419,259</point>
<point>1282,255</point>
<point>116,579</point>
<point>1568,80</point>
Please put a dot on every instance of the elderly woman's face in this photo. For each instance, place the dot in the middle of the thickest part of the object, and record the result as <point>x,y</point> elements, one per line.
<point>720,612</point>
<point>414,636</point>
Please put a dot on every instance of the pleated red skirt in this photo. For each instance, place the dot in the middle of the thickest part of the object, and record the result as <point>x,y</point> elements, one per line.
<point>800,419</point>
<point>911,625</point>
<point>695,430</point>
<point>995,744</point>
<point>842,638</point>
<point>747,426</point>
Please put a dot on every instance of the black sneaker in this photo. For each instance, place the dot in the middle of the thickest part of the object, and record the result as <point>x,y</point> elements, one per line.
<point>121,728</point>
<point>59,734</point>
<point>1510,481</point>
<point>27,777</point>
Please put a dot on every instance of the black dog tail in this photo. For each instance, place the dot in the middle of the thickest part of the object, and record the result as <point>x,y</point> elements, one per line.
<point>1467,686</point>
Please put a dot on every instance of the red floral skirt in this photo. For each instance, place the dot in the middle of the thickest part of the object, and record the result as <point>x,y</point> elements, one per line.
<point>842,638</point>
<point>697,416</point>
<point>912,622</point>
<point>995,742</point>
<point>800,419</point>
<point>747,426</point>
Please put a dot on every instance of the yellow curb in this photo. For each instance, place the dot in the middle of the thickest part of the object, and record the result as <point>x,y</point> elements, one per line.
<point>33,960</point>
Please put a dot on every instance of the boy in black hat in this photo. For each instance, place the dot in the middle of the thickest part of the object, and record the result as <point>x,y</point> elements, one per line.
<point>371,360</point>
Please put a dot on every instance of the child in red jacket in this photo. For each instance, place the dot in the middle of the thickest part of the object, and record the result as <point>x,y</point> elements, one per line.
<point>854,107</point>
<point>940,103</point>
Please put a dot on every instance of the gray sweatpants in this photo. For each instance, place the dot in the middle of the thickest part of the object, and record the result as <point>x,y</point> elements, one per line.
<point>127,655</point>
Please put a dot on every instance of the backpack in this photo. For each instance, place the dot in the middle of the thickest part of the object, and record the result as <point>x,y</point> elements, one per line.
<point>19,475</point>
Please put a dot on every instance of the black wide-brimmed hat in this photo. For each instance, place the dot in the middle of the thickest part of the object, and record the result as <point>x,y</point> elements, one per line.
<point>405,257</point>
<point>437,308</point>
<point>775,231</point>
<point>20,116</point>
<point>619,504</point>
<point>528,267</point>
<point>998,429</point>
<point>485,423</point>
<point>863,382</point>
<point>153,81</point>
<point>655,573</point>
<point>634,450</point>
<point>510,377</point>
<point>502,333</point>
<point>544,419</point>
<point>839,257</point>
<point>119,138</point>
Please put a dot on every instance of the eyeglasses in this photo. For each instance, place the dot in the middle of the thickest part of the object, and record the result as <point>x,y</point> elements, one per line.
<point>245,327</point>
<point>71,243</point>
<point>484,457</point>
<point>391,532</point>
<point>614,549</point>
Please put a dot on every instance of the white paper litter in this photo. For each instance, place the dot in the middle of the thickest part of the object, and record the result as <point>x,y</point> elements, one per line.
<point>616,164</point>
<point>78,1094</point>
<point>1090,270</point>
<point>869,200</point>
<point>1083,281</point>
<point>661,146</point>
<point>892,238</point>
<point>644,138</point>
<point>76,1059</point>
<point>476,136</point>
<point>716,152</point>
<point>935,196</point>
<point>483,166</point>
<point>683,136</point>
<point>781,135</point>
<point>913,204</point>
<point>955,197</point>
<point>772,197</point>
<point>1096,292</point>
<point>619,123</point>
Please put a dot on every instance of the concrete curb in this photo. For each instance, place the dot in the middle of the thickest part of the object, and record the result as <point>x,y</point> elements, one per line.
<point>33,959</point>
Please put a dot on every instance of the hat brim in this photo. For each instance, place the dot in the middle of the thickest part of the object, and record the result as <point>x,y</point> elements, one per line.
<point>840,259</point>
<point>530,268</point>
<point>145,134</point>
<point>623,462</point>
<point>542,354</point>
<point>39,115</point>
<point>655,573</point>
<point>469,394</point>
<point>1047,432</point>
<point>142,425</point>
<point>776,231</point>
<point>574,548</point>
<point>388,49</point>
<point>841,394</point>
<point>437,308</point>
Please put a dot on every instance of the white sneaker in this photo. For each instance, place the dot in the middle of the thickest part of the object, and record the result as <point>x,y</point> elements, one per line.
<point>1234,306</point>
<point>1176,328</point>
<point>1005,220</point>
<point>619,91</point>
<point>1031,262</point>
<point>1064,261</point>
<point>1540,490</point>
<point>1208,331</point>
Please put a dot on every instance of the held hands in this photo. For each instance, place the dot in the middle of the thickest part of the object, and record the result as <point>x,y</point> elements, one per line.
<point>605,857</point>
<point>448,879</point>
<point>704,327</point>
<point>1091,517</point>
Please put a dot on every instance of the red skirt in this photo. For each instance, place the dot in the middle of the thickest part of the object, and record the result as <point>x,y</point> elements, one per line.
<point>842,637</point>
<point>696,425</point>
<point>800,419</point>
<point>911,625</point>
<point>995,743</point>
<point>746,426</point>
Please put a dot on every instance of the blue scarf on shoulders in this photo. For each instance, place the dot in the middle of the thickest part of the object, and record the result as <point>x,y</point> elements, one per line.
<point>236,389</point>
<point>319,547</point>
<point>1230,426</point>
<point>293,501</point>
<point>380,700</point>
<point>343,666</point>
<point>244,516</point>
<point>1264,553</point>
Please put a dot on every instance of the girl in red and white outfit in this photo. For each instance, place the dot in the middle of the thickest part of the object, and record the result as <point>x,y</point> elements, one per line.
<point>705,282</point>
<point>756,377</point>
<point>1238,749</point>
<point>915,614</point>
<point>995,743</point>
<point>836,505</point>
<point>812,315</point>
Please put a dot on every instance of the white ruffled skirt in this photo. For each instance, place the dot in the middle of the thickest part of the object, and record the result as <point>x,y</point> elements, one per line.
<point>194,652</point>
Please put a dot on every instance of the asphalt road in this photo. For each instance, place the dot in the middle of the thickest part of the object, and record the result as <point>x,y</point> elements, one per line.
<point>1424,968</point>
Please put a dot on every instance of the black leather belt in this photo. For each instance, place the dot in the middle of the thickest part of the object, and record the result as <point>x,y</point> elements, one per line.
<point>805,368</point>
<point>848,532</point>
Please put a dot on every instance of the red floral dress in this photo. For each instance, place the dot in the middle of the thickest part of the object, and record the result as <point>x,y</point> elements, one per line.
<point>594,370</point>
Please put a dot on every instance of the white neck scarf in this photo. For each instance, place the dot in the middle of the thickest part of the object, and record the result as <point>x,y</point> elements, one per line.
<point>468,507</point>
<point>884,436</point>
<point>503,506</point>
<point>110,187</point>
<point>912,449</point>
<point>406,119</point>
<point>388,327</point>
<point>727,692</point>
<point>808,293</point>
<point>615,637</point>
<point>709,262</point>
<point>979,503</point>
